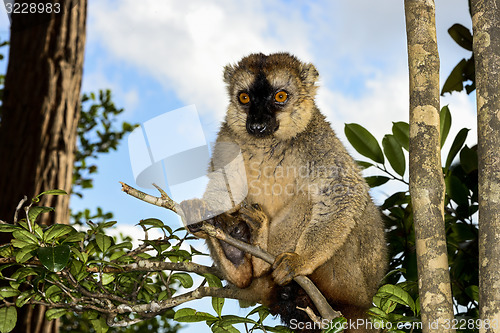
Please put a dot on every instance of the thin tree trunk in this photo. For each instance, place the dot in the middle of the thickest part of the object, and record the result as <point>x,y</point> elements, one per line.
<point>40,117</point>
<point>426,176</point>
<point>486,27</point>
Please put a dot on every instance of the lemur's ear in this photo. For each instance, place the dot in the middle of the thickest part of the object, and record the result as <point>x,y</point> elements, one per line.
<point>228,73</point>
<point>309,74</point>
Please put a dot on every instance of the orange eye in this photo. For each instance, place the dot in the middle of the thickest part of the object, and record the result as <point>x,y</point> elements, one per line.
<point>281,96</point>
<point>244,98</point>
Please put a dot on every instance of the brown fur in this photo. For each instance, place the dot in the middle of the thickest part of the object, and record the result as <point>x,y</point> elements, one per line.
<point>317,216</point>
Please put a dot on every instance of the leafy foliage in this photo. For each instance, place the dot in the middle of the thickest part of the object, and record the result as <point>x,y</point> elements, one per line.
<point>86,272</point>
<point>396,301</point>
<point>465,70</point>
<point>96,283</point>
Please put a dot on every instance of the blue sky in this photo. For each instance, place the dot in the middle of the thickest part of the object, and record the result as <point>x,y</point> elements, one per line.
<point>158,56</point>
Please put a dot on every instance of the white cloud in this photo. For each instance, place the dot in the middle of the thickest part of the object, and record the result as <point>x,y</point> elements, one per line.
<point>185,45</point>
<point>383,100</point>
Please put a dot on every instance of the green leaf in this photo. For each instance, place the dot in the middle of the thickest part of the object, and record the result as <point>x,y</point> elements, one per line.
<point>25,236</point>
<point>54,258</point>
<point>24,298</point>
<point>457,190</point>
<point>384,304</point>
<point>100,325</point>
<point>377,312</point>
<point>162,295</point>
<point>6,251</point>
<point>9,228</point>
<point>152,222</point>
<point>9,292</point>
<point>25,253</point>
<point>83,256</point>
<point>364,165</point>
<point>456,146</point>
<point>463,232</point>
<point>107,278</point>
<point>397,199</point>
<point>8,319</point>
<point>74,237</point>
<point>232,319</point>
<point>262,311</point>
<point>103,241</point>
<point>23,272</point>
<point>364,142</point>
<point>220,327</point>
<point>455,80</point>
<point>277,329</point>
<point>52,290</point>
<point>37,210</point>
<point>374,181</point>
<point>108,224</point>
<point>445,123</point>
<point>473,292</point>
<point>396,294</point>
<point>468,159</point>
<point>57,231</point>
<point>461,35</point>
<point>188,315</point>
<point>124,245</point>
<point>52,314</point>
<point>213,281</point>
<point>118,254</point>
<point>185,279</point>
<point>217,302</point>
<point>401,131</point>
<point>394,154</point>
<point>53,192</point>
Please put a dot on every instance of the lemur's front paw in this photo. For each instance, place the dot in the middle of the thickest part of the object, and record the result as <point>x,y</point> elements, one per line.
<point>253,215</point>
<point>195,214</point>
<point>288,265</point>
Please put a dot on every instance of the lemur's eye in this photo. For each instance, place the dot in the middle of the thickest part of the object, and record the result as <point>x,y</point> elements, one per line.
<point>281,96</point>
<point>244,98</point>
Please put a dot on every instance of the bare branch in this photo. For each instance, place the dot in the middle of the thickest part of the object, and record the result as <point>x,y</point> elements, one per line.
<point>164,201</point>
<point>19,206</point>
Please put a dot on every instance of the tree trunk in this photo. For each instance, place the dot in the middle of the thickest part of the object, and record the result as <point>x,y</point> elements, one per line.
<point>426,176</point>
<point>40,116</point>
<point>486,46</point>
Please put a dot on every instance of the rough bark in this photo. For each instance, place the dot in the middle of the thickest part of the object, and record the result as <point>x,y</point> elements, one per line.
<point>486,46</point>
<point>427,186</point>
<point>40,117</point>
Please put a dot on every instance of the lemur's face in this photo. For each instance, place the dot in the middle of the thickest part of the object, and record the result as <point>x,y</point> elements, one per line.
<point>270,95</point>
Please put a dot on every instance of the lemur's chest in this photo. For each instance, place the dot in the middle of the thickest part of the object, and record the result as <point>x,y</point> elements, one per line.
<point>272,180</point>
